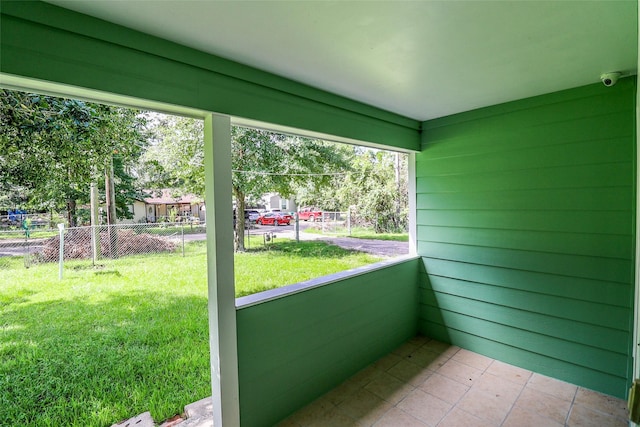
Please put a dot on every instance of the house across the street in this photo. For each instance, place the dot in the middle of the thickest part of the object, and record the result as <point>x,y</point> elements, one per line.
<point>165,205</point>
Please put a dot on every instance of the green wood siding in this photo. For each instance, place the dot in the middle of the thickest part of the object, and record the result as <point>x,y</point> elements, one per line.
<point>42,41</point>
<point>293,349</point>
<point>525,225</point>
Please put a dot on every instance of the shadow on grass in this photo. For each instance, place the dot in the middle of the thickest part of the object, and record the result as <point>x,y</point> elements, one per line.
<point>75,362</point>
<point>304,249</point>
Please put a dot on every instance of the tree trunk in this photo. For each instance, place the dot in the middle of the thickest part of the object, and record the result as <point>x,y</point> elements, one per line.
<point>111,209</point>
<point>238,238</point>
<point>71,212</point>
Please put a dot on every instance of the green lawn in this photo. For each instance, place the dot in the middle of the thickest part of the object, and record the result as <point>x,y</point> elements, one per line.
<point>107,343</point>
<point>362,233</point>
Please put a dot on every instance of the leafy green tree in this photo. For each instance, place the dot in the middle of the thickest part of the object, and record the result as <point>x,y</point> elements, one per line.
<point>175,156</point>
<point>52,148</point>
<point>375,190</point>
<point>270,162</point>
<point>262,162</point>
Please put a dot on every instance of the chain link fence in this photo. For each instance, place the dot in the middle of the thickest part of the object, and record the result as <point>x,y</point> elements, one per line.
<point>334,223</point>
<point>99,243</point>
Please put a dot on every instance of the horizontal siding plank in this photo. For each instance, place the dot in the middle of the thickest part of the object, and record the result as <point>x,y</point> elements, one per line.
<point>534,361</point>
<point>531,158</point>
<point>611,198</point>
<point>596,222</point>
<point>585,101</point>
<point>605,269</point>
<point>608,316</point>
<point>604,338</point>
<point>585,356</point>
<point>585,176</point>
<point>608,246</point>
<point>576,288</point>
<point>487,139</point>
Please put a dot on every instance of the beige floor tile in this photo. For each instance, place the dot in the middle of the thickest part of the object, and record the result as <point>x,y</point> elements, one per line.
<point>333,418</point>
<point>499,386</point>
<point>542,403</point>
<point>472,359</point>
<point>389,388</point>
<point>583,416</point>
<point>398,418</point>
<point>425,407</point>
<point>510,372</point>
<point>363,404</point>
<point>426,358</point>
<point>552,386</point>
<point>410,373</point>
<point>460,372</point>
<point>407,348</point>
<point>459,418</point>
<point>520,417</point>
<point>442,348</point>
<point>365,376</point>
<point>344,390</point>
<point>289,422</point>
<point>601,402</point>
<point>444,388</point>
<point>312,411</point>
<point>387,362</point>
<point>485,405</point>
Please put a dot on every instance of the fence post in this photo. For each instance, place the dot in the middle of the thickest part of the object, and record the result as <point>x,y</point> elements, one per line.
<point>61,261</point>
<point>297,227</point>
<point>349,221</point>
<point>182,228</point>
<point>27,254</point>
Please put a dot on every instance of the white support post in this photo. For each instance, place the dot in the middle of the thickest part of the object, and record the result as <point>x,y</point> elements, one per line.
<point>413,243</point>
<point>220,276</point>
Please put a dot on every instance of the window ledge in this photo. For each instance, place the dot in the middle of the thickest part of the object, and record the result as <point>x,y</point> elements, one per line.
<point>272,294</point>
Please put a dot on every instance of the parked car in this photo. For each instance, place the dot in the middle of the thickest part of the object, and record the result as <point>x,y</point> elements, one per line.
<point>274,218</point>
<point>309,214</point>
<point>251,214</point>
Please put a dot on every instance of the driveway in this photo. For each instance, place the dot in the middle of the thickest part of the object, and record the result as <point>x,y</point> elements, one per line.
<point>386,248</point>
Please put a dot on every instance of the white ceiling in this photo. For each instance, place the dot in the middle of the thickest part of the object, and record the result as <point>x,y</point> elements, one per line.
<point>421,59</point>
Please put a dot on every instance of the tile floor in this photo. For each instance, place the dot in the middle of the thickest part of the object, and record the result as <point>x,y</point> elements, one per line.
<point>429,383</point>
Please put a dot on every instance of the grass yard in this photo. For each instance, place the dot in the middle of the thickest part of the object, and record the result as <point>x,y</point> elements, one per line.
<point>108,343</point>
<point>363,233</point>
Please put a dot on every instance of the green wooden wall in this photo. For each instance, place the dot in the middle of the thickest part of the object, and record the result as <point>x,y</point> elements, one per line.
<point>42,41</point>
<point>294,349</point>
<point>525,216</point>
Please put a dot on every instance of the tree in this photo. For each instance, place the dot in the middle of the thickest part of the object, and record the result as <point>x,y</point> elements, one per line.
<point>264,162</point>
<point>175,156</point>
<point>376,189</point>
<point>52,148</point>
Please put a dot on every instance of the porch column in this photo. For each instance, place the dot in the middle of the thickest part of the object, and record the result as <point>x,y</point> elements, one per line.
<point>220,279</point>
<point>413,220</point>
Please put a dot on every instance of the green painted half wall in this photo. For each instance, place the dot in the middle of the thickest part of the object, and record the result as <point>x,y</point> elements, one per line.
<point>525,216</point>
<point>293,349</point>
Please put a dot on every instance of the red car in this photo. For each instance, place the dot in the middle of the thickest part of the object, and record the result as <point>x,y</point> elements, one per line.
<point>274,218</point>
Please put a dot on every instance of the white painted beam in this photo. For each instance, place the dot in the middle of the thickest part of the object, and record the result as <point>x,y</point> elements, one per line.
<point>222,310</point>
<point>413,213</point>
